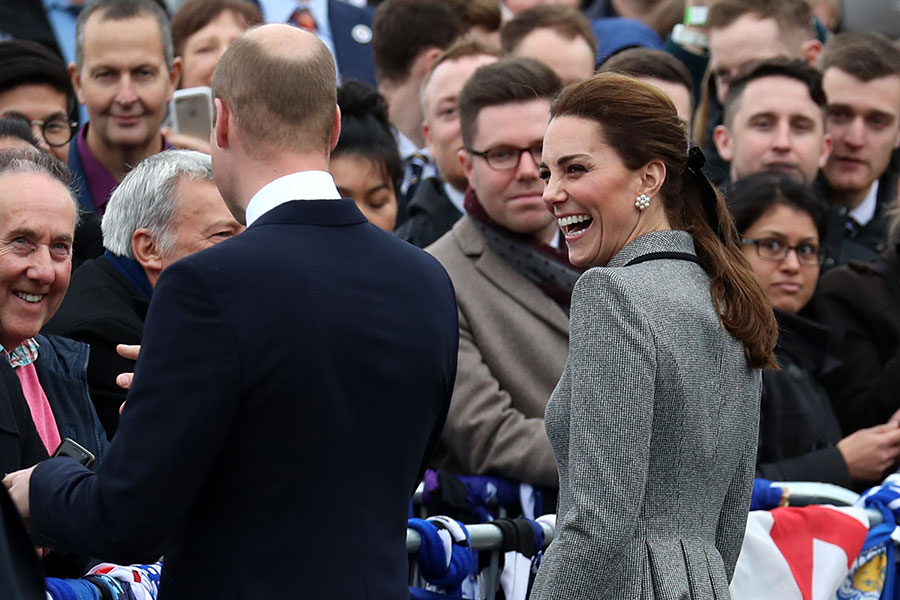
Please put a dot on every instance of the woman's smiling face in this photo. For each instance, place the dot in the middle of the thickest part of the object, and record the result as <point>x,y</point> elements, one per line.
<point>589,190</point>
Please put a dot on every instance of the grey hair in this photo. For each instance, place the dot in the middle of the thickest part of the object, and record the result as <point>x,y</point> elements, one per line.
<point>32,160</point>
<point>146,199</point>
<point>121,10</point>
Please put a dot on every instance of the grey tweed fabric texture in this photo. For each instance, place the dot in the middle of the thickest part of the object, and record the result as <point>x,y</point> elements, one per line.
<point>654,427</point>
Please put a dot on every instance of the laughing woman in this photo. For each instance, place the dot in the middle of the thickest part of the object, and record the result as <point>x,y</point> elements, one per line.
<point>654,420</point>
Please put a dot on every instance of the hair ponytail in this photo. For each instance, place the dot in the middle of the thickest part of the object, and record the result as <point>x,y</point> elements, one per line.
<point>739,300</point>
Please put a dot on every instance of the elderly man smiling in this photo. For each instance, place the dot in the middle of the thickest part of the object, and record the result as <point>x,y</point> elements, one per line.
<point>42,378</point>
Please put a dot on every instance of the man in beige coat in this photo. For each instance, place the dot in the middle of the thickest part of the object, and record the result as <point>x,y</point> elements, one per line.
<point>512,282</point>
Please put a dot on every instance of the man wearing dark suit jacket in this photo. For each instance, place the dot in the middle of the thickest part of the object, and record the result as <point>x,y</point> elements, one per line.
<point>166,208</point>
<point>292,378</point>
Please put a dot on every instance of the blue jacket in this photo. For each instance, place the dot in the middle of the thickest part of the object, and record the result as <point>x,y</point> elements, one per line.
<point>62,370</point>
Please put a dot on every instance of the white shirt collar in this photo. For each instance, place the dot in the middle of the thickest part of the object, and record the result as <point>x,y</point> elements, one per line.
<point>456,197</point>
<point>305,185</point>
<point>865,210</point>
<point>407,147</point>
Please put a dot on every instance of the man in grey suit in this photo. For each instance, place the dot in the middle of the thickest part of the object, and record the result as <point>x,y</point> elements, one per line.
<point>512,282</point>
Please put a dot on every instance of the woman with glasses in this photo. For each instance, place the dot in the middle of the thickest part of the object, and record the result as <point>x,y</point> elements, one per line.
<point>781,226</point>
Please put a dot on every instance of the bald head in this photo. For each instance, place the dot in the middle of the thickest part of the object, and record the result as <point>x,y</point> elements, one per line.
<point>280,84</point>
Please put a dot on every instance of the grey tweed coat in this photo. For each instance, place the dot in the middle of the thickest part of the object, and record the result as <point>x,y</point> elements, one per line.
<point>654,426</point>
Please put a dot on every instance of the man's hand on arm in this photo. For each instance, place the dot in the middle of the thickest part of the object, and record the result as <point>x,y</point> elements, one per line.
<point>18,483</point>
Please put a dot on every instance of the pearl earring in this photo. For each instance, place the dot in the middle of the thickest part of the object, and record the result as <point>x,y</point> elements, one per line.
<point>642,201</point>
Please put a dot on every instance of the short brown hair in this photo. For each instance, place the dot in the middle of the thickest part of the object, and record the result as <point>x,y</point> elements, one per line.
<point>564,20</point>
<point>646,62</point>
<point>507,81</point>
<point>479,13</point>
<point>462,48</point>
<point>779,66</point>
<point>865,56</point>
<point>641,124</point>
<point>790,15</point>
<point>194,15</point>
<point>403,29</point>
<point>279,102</point>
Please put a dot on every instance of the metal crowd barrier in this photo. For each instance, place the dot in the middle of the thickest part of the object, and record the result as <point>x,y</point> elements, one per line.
<point>806,493</point>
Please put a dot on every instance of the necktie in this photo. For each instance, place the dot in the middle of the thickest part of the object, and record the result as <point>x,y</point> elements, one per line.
<point>41,413</point>
<point>416,162</point>
<point>303,18</point>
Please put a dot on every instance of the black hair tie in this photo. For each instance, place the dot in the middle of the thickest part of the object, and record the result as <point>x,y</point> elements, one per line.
<point>708,197</point>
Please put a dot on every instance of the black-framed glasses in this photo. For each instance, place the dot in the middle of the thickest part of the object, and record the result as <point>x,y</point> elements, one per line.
<point>777,250</point>
<point>57,131</point>
<point>506,158</point>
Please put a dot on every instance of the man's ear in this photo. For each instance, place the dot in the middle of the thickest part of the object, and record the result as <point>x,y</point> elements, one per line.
<point>146,253</point>
<point>335,128</point>
<point>466,161</point>
<point>175,76</point>
<point>827,146</point>
<point>811,50</point>
<point>75,76</point>
<point>724,142</point>
<point>221,126</point>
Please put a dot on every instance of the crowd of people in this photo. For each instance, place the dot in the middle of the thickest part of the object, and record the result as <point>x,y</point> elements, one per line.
<point>610,249</point>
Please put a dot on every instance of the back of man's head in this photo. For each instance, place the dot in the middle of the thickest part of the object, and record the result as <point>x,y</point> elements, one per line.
<point>23,62</point>
<point>865,56</point>
<point>780,66</point>
<point>507,81</point>
<point>123,10</point>
<point>793,17</point>
<point>404,29</point>
<point>280,100</point>
<point>564,20</point>
<point>481,17</point>
<point>146,199</point>
<point>464,47</point>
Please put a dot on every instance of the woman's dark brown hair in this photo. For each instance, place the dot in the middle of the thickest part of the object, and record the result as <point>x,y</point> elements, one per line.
<point>641,124</point>
<point>194,15</point>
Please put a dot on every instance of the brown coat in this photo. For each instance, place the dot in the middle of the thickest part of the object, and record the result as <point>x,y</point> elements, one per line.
<point>513,344</point>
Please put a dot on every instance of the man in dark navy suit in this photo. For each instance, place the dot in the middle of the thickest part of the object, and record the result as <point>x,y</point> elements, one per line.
<point>292,378</point>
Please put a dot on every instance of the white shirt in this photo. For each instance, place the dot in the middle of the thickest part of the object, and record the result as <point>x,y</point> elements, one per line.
<point>305,185</point>
<point>865,210</point>
<point>456,197</point>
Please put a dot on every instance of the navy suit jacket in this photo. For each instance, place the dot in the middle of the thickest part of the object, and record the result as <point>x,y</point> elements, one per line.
<point>291,381</point>
<point>354,56</point>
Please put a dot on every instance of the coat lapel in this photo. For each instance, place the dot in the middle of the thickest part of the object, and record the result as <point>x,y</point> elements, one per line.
<point>507,278</point>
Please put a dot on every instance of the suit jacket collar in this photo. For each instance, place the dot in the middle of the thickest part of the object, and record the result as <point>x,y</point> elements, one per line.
<point>504,276</point>
<point>655,241</point>
<point>312,212</point>
<point>431,200</point>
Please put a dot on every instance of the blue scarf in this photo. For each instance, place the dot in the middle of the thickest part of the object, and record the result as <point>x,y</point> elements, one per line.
<point>132,271</point>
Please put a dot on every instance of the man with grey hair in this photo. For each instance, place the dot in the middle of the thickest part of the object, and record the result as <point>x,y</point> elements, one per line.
<point>125,74</point>
<point>165,209</point>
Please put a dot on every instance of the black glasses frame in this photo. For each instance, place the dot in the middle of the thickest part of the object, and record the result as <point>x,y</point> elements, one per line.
<point>485,154</point>
<point>803,260</point>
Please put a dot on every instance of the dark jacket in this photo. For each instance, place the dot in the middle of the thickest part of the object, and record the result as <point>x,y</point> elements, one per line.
<point>88,236</point>
<point>21,577</point>
<point>102,309</point>
<point>285,374</point>
<point>61,368</point>
<point>846,241</point>
<point>431,215</point>
<point>865,300</point>
<point>798,429</point>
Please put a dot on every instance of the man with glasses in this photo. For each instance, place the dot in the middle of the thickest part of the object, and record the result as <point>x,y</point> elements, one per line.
<point>513,283</point>
<point>35,89</point>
